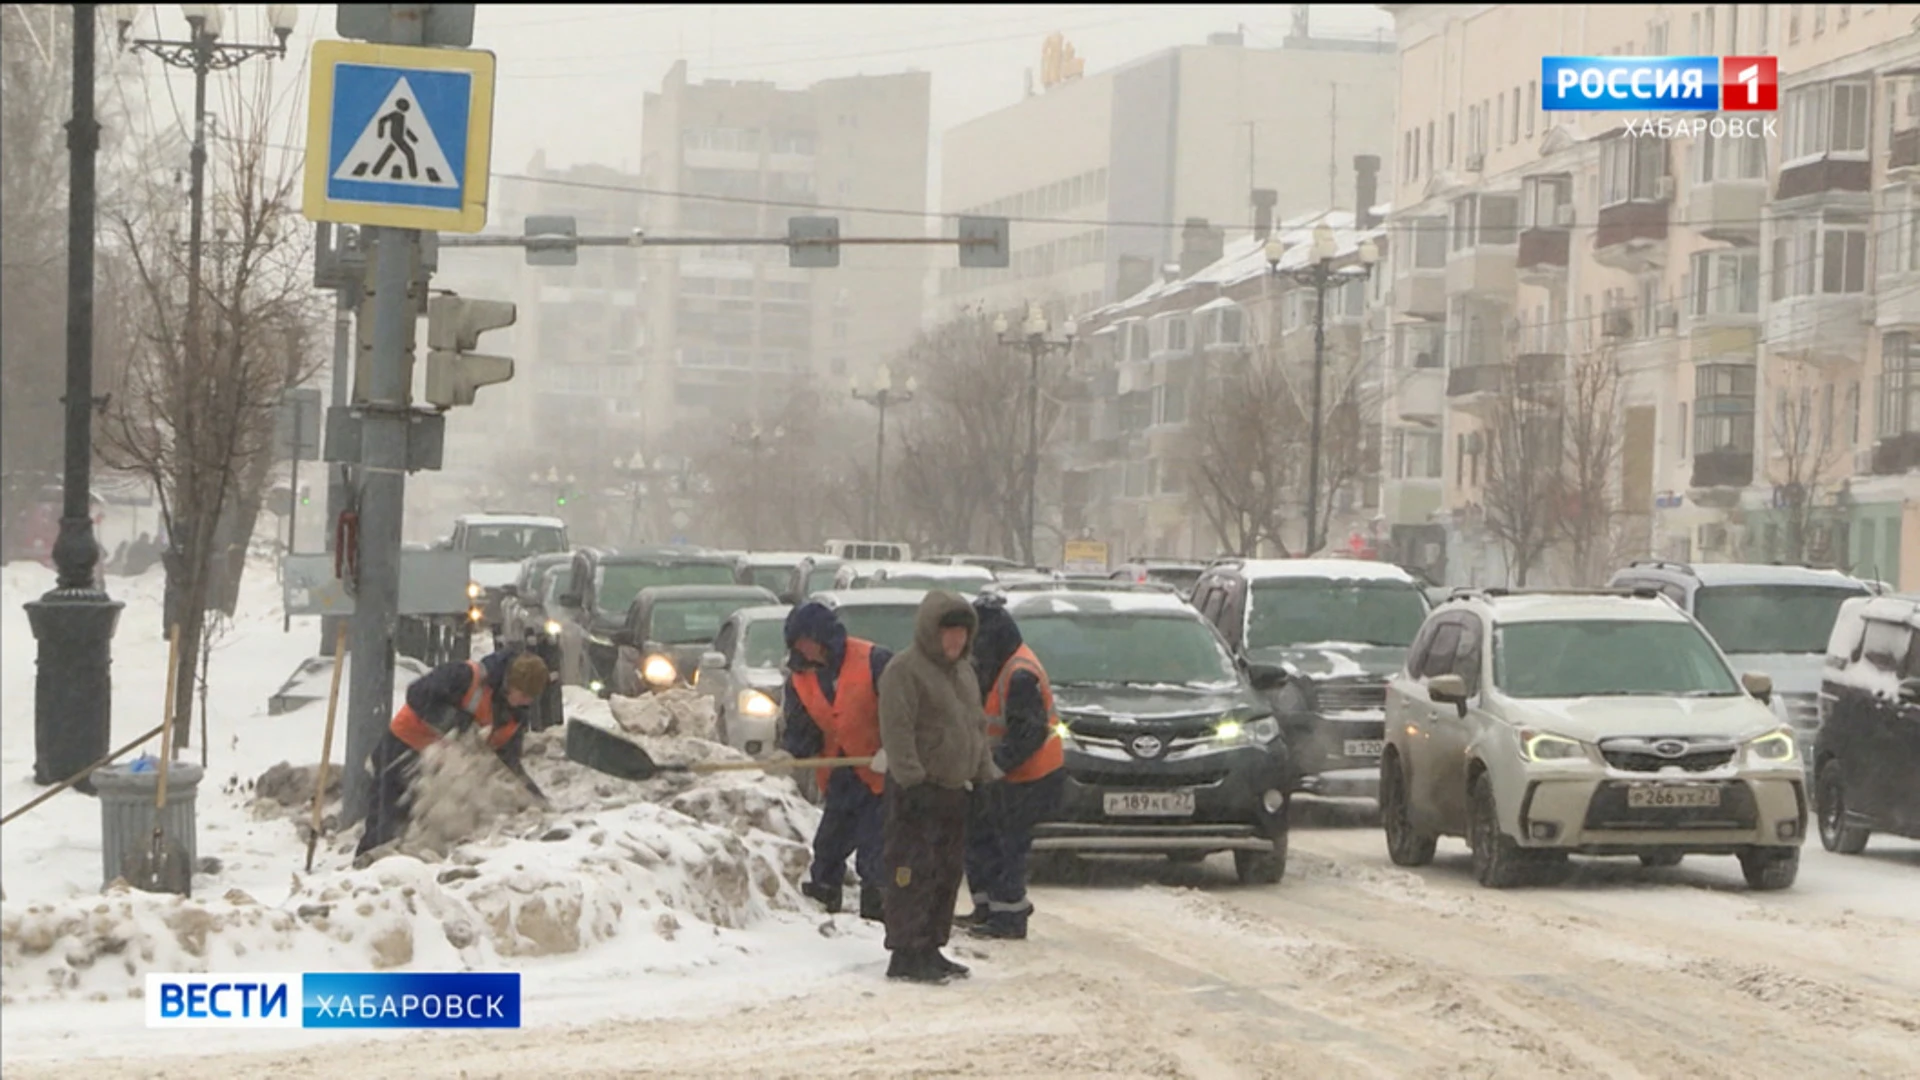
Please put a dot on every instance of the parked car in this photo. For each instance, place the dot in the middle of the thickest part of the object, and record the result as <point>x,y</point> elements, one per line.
<point>870,550</point>
<point>1169,749</point>
<point>993,563</point>
<point>853,573</point>
<point>1774,619</point>
<point>495,545</point>
<point>955,577</point>
<point>524,608</point>
<point>745,673</point>
<point>771,570</point>
<point>815,573</point>
<point>668,629</point>
<point>1182,574</point>
<point>1339,628</point>
<point>882,616</point>
<point>1866,758</point>
<point>1542,724</point>
<point>601,587</point>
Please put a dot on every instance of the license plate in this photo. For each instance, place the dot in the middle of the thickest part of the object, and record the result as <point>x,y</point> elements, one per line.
<point>1363,747</point>
<point>1149,803</point>
<point>1652,796</point>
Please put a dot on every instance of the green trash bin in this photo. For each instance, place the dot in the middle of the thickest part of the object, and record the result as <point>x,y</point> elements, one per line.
<point>127,795</point>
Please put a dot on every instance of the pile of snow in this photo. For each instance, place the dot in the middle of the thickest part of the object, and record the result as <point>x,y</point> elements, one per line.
<point>672,712</point>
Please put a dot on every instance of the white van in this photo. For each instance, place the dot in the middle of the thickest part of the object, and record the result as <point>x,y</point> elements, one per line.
<point>870,550</point>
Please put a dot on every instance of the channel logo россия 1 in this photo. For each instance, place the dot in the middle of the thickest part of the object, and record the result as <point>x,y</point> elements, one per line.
<point>1653,83</point>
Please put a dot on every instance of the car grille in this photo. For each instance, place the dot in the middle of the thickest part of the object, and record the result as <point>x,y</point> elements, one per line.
<point>1172,737</point>
<point>1609,810</point>
<point>1646,755</point>
<point>1151,780</point>
<point>1803,710</point>
<point>1350,695</point>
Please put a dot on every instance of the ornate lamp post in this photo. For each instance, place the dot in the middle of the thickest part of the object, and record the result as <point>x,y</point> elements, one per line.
<point>1033,338</point>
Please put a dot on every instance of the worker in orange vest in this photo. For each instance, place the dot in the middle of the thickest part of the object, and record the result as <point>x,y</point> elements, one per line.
<point>490,694</point>
<point>1018,702</point>
<point>832,709</point>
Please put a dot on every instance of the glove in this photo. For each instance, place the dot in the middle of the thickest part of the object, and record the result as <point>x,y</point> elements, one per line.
<point>879,764</point>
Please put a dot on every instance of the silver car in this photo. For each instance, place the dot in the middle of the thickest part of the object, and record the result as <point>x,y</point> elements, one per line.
<point>745,673</point>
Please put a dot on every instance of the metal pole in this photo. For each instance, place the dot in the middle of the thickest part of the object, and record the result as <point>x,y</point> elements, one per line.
<point>338,476</point>
<point>74,623</point>
<point>1319,375</point>
<point>1034,349</point>
<point>879,466</point>
<point>383,462</point>
<point>293,508</point>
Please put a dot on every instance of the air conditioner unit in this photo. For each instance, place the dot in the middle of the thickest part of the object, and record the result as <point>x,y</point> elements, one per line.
<point>1563,214</point>
<point>1476,162</point>
<point>1663,189</point>
<point>1617,323</point>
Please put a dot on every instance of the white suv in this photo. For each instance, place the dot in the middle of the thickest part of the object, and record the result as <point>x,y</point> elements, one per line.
<point>1603,722</point>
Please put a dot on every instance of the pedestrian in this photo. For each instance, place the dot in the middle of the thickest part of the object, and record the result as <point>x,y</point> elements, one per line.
<point>934,736</point>
<point>1026,748</point>
<point>832,709</point>
<point>490,695</point>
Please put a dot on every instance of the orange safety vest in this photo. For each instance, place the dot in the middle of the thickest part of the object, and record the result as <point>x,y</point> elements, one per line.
<point>850,723</point>
<point>1051,755</point>
<point>414,730</point>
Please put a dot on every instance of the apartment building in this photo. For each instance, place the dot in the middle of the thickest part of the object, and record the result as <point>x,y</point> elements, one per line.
<point>733,327</point>
<point>1756,295</point>
<point>1150,463</point>
<point>1098,170</point>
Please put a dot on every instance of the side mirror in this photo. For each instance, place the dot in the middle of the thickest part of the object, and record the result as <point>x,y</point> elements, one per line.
<point>1267,676</point>
<point>1760,685</point>
<point>712,660</point>
<point>1448,690</point>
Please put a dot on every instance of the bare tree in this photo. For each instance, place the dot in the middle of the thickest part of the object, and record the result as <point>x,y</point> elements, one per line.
<point>1810,457</point>
<point>1523,471</point>
<point>194,412</point>
<point>1245,439</point>
<point>777,482</point>
<point>1590,515</point>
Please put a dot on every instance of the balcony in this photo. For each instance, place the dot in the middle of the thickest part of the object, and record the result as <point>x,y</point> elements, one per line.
<point>1482,270</point>
<point>1421,292</point>
<point>1632,236</point>
<point>1824,328</point>
<point>1903,153</point>
<point>1476,381</point>
<point>1543,256</point>
<point>1897,304</point>
<point>1728,211</point>
<point>1723,469</point>
<point>1540,369</point>
<point>1714,337</point>
<point>1897,454</point>
<point>1411,500</point>
<point>1825,182</point>
<point>1422,393</point>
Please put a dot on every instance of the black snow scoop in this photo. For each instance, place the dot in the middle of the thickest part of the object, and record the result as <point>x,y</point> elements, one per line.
<point>605,751</point>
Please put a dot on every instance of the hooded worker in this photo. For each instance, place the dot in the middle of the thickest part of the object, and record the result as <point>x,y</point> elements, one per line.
<point>490,695</point>
<point>832,709</point>
<point>934,736</point>
<point>1025,746</point>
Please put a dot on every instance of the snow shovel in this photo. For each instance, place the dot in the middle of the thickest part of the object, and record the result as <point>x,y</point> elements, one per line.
<point>326,742</point>
<point>163,866</point>
<point>603,751</point>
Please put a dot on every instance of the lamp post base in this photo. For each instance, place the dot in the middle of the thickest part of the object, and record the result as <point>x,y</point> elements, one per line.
<point>72,694</point>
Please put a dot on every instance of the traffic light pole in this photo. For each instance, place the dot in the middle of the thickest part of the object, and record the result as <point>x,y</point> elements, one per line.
<point>339,476</point>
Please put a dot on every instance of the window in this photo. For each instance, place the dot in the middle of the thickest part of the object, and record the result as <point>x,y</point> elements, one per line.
<point>1418,454</point>
<point>1693,34</point>
<point>1774,619</point>
<point>1683,429</point>
<point>1726,283</point>
<point>1542,198</point>
<point>1533,106</point>
<point>1588,658</point>
<point>1723,396</point>
<point>1899,385</point>
<point>1430,148</point>
<point>1485,219</point>
<point>1793,23</point>
<point>1630,169</point>
<point>1514,127</point>
<point>1430,243</point>
<point>1826,119</point>
<point>1499,119</point>
<point>1416,153</point>
<point>1450,117</point>
<point>1422,345</point>
<point>1177,334</point>
<point>1406,156</point>
<point>1900,235</point>
<point>1729,157</point>
<point>1819,19</point>
<point>1827,255</point>
<point>1709,35</point>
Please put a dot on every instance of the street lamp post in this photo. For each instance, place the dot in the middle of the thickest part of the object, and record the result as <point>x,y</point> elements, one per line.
<point>880,397</point>
<point>1033,338</point>
<point>635,471</point>
<point>757,443</point>
<point>1319,275</point>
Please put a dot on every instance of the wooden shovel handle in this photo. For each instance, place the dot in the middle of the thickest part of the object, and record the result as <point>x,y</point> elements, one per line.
<point>166,737</point>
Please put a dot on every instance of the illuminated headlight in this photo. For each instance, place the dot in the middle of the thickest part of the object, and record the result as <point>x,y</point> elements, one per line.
<point>596,686</point>
<point>755,703</point>
<point>1773,746</point>
<point>474,614</point>
<point>1064,732</point>
<point>1291,698</point>
<point>474,591</point>
<point>1263,730</point>
<point>659,671</point>
<point>1544,746</point>
<point>553,627</point>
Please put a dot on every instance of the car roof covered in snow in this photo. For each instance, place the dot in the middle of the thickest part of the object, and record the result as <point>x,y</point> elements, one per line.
<point>1091,602</point>
<point>763,613</point>
<point>1546,606</point>
<point>1336,569</point>
<point>665,555</point>
<point>958,572</point>
<point>658,593</point>
<point>1767,574</point>
<point>542,520</point>
<point>772,558</point>
<point>839,598</point>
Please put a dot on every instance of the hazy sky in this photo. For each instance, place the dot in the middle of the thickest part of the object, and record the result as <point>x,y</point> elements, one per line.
<point>572,77</point>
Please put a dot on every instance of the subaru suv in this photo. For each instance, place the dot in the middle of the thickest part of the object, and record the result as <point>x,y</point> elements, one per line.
<point>1867,755</point>
<point>1337,628</point>
<point>1771,619</point>
<point>1541,724</point>
<point>1169,749</point>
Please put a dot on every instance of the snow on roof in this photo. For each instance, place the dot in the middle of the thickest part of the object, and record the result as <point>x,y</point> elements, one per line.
<point>1766,574</point>
<point>513,519</point>
<point>1215,305</point>
<point>1067,601</point>
<point>1542,607</point>
<point>763,612</point>
<point>942,571</point>
<point>773,558</point>
<point>871,597</point>
<point>1350,569</point>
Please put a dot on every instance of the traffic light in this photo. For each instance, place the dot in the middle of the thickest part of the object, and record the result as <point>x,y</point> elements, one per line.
<point>560,499</point>
<point>454,326</point>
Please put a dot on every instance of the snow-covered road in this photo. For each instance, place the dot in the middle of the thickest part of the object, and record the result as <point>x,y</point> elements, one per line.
<point>1350,967</point>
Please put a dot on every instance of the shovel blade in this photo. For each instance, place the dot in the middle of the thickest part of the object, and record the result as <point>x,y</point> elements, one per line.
<point>160,868</point>
<point>603,751</point>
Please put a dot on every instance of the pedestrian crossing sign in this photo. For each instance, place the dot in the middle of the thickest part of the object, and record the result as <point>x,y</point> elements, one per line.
<point>399,136</point>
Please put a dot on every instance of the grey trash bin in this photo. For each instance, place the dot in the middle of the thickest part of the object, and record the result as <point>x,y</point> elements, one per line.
<point>126,814</point>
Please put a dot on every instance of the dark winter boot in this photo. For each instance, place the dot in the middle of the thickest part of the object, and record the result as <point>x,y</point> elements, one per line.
<point>916,965</point>
<point>1003,926</point>
<point>975,917</point>
<point>940,963</point>
<point>828,896</point>
<point>872,903</point>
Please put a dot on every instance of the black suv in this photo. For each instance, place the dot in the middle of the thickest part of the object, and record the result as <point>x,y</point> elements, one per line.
<point>1338,629</point>
<point>1866,754</point>
<point>601,589</point>
<point>1169,749</point>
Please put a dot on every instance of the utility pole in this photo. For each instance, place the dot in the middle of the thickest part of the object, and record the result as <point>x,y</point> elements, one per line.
<point>74,623</point>
<point>1033,337</point>
<point>880,397</point>
<point>339,265</point>
<point>1320,274</point>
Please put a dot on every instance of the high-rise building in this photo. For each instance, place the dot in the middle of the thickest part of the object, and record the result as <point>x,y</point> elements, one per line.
<point>1103,173</point>
<point>731,328</point>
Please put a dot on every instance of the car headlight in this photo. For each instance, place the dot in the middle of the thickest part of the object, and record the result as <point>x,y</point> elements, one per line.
<point>756,703</point>
<point>1545,746</point>
<point>1291,698</point>
<point>659,671</point>
<point>1773,746</point>
<point>1064,732</point>
<point>553,627</point>
<point>474,614</point>
<point>596,686</point>
<point>1233,731</point>
<point>474,591</point>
